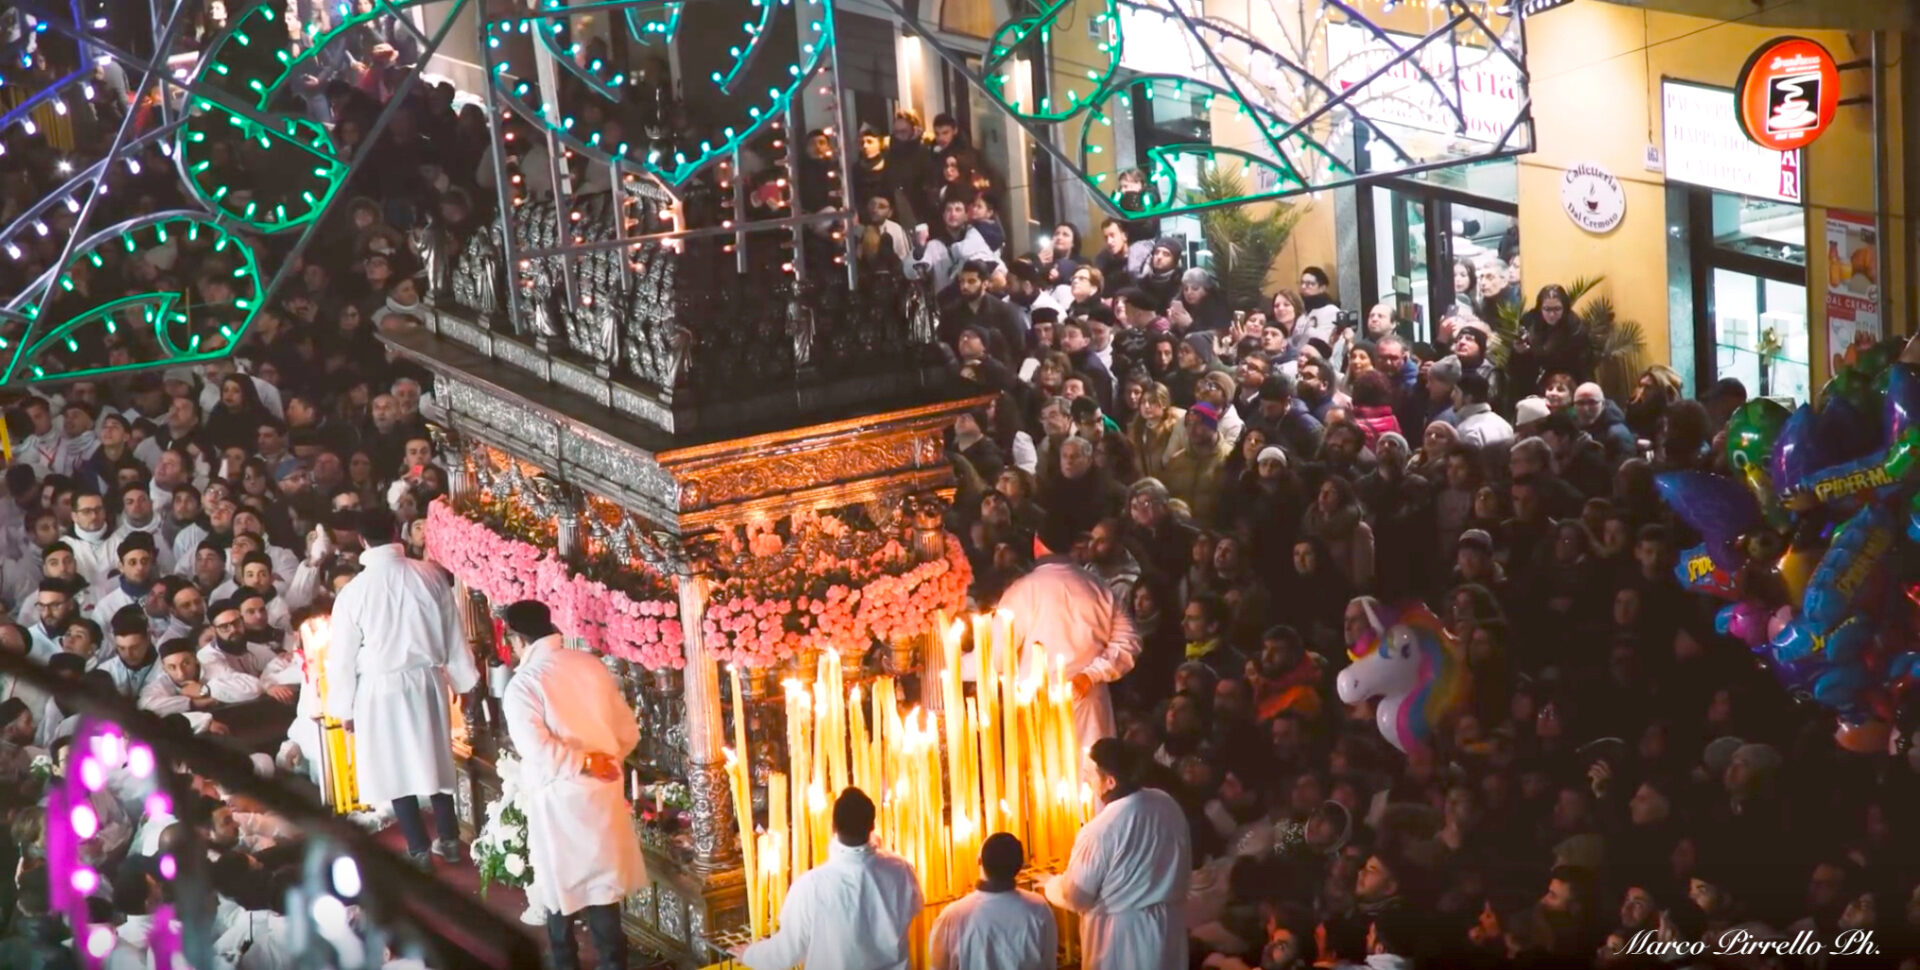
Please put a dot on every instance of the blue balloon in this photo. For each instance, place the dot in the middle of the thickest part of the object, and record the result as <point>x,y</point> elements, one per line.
<point>1903,400</point>
<point>1721,509</point>
<point>1854,569</point>
<point>1845,431</point>
<point>1796,450</point>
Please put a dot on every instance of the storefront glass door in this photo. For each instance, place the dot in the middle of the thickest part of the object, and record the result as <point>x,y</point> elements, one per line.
<point>1760,334</point>
<point>1400,273</point>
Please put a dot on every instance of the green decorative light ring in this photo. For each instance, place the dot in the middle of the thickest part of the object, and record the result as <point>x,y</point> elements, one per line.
<point>754,33</point>
<point>166,312</point>
<point>1012,34</point>
<point>683,165</point>
<point>227,67</point>
<point>608,87</point>
<point>667,29</point>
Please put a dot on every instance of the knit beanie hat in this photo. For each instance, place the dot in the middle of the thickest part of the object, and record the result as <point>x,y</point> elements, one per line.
<point>1207,413</point>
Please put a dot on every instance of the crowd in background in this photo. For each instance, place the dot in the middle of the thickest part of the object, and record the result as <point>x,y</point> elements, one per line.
<point>1247,475</point>
<point>1237,468</point>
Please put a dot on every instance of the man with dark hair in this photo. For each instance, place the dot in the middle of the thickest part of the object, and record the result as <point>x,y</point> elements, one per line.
<point>1479,426</point>
<point>573,730</point>
<point>818,927</point>
<point>133,662</point>
<point>1286,420</point>
<point>998,924</point>
<point>973,306</point>
<point>1128,873</point>
<point>396,647</point>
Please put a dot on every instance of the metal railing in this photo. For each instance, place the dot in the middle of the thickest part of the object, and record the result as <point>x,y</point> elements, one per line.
<point>401,910</point>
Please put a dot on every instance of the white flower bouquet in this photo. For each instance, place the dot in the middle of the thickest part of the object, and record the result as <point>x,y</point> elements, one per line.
<point>42,767</point>
<point>500,850</point>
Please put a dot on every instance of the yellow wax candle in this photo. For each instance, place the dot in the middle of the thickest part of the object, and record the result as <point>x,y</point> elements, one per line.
<point>1013,770</point>
<point>743,818</point>
<point>990,755</point>
<point>857,737</point>
<point>833,732</point>
<point>982,646</point>
<point>781,851</point>
<point>818,820</point>
<point>798,757</point>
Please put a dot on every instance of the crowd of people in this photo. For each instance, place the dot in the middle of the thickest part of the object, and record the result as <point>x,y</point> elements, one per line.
<point>1248,479</point>
<point>165,535</point>
<point>1238,472</point>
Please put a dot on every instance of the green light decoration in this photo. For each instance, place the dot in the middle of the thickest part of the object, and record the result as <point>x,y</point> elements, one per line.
<point>1026,38</point>
<point>747,107</point>
<point>183,326</point>
<point>250,64</point>
<point>1293,140</point>
<point>597,74</point>
<point>654,22</point>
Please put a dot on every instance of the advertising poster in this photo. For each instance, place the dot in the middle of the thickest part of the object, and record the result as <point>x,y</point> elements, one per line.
<point>1853,282</point>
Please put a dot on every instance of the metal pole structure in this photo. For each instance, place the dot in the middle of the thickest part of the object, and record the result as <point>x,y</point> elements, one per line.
<point>119,139</point>
<point>549,80</point>
<point>791,162</point>
<point>1881,220</point>
<point>806,218</point>
<point>849,143</point>
<point>739,216</point>
<point>503,189</point>
<point>367,144</point>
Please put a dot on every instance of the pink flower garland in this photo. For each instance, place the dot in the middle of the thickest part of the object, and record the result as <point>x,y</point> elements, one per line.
<point>759,631</point>
<point>824,609</point>
<point>646,631</point>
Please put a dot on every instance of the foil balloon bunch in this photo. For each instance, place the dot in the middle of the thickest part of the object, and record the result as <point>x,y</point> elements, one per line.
<point>1813,539</point>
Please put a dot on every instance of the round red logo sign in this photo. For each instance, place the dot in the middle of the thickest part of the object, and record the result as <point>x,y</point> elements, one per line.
<point>1788,93</point>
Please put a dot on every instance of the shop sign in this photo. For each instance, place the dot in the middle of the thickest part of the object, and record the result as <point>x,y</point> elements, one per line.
<point>1593,198</point>
<point>1492,88</point>
<point>1853,282</point>
<point>1705,146</point>
<point>1788,93</point>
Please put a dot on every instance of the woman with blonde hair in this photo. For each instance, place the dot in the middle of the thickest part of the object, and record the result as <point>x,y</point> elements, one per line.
<point>1658,388</point>
<point>1158,432</point>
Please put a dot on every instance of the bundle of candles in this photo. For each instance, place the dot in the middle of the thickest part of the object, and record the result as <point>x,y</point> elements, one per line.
<point>1003,760</point>
<point>339,783</point>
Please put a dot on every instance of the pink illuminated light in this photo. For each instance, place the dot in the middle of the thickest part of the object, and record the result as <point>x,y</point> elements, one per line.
<point>85,823</point>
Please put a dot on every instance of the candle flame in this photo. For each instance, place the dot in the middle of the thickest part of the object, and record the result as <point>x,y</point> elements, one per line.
<point>817,797</point>
<point>955,629</point>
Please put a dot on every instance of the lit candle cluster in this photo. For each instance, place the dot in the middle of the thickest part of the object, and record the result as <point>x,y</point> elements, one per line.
<point>339,783</point>
<point>1003,760</point>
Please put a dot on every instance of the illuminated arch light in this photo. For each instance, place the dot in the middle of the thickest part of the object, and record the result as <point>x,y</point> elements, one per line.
<point>175,319</point>
<point>246,66</point>
<point>525,98</point>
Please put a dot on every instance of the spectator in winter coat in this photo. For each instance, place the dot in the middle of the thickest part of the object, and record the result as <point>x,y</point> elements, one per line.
<point>1605,422</point>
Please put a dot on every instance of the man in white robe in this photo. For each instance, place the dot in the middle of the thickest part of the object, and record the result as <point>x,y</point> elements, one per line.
<point>1065,615</point>
<point>93,553</point>
<point>1127,875</point>
<point>395,652</point>
<point>851,912</point>
<point>573,730</point>
<point>998,926</point>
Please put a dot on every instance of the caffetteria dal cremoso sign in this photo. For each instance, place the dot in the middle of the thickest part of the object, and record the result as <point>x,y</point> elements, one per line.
<point>1788,93</point>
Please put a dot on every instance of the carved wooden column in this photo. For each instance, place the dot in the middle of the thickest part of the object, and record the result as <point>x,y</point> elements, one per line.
<point>715,836</point>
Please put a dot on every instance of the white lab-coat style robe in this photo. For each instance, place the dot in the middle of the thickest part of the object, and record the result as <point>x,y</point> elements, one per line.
<point>1072,615</point>
<point>561,706</point>
<point>1127,878</point>
<point>850,913</point>
<point>162,697</point>
<point>163,560</point>
<point>1011,930</point>
<point>396,650</point>
<point>94,559</point>
<point>130,681</point>
<point>239,678</point>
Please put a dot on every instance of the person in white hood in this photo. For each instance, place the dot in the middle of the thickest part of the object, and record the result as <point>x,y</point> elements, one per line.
<point>1066,616</point>
<point>1128,872</point>
<point>46,444</point>
<point>90,539</point>
<point>851,912</point>
<point>998,926</point>
<point>573,730</point>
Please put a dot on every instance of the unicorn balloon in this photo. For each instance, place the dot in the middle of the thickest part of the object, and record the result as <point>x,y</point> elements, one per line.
<point>1411,663</point>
